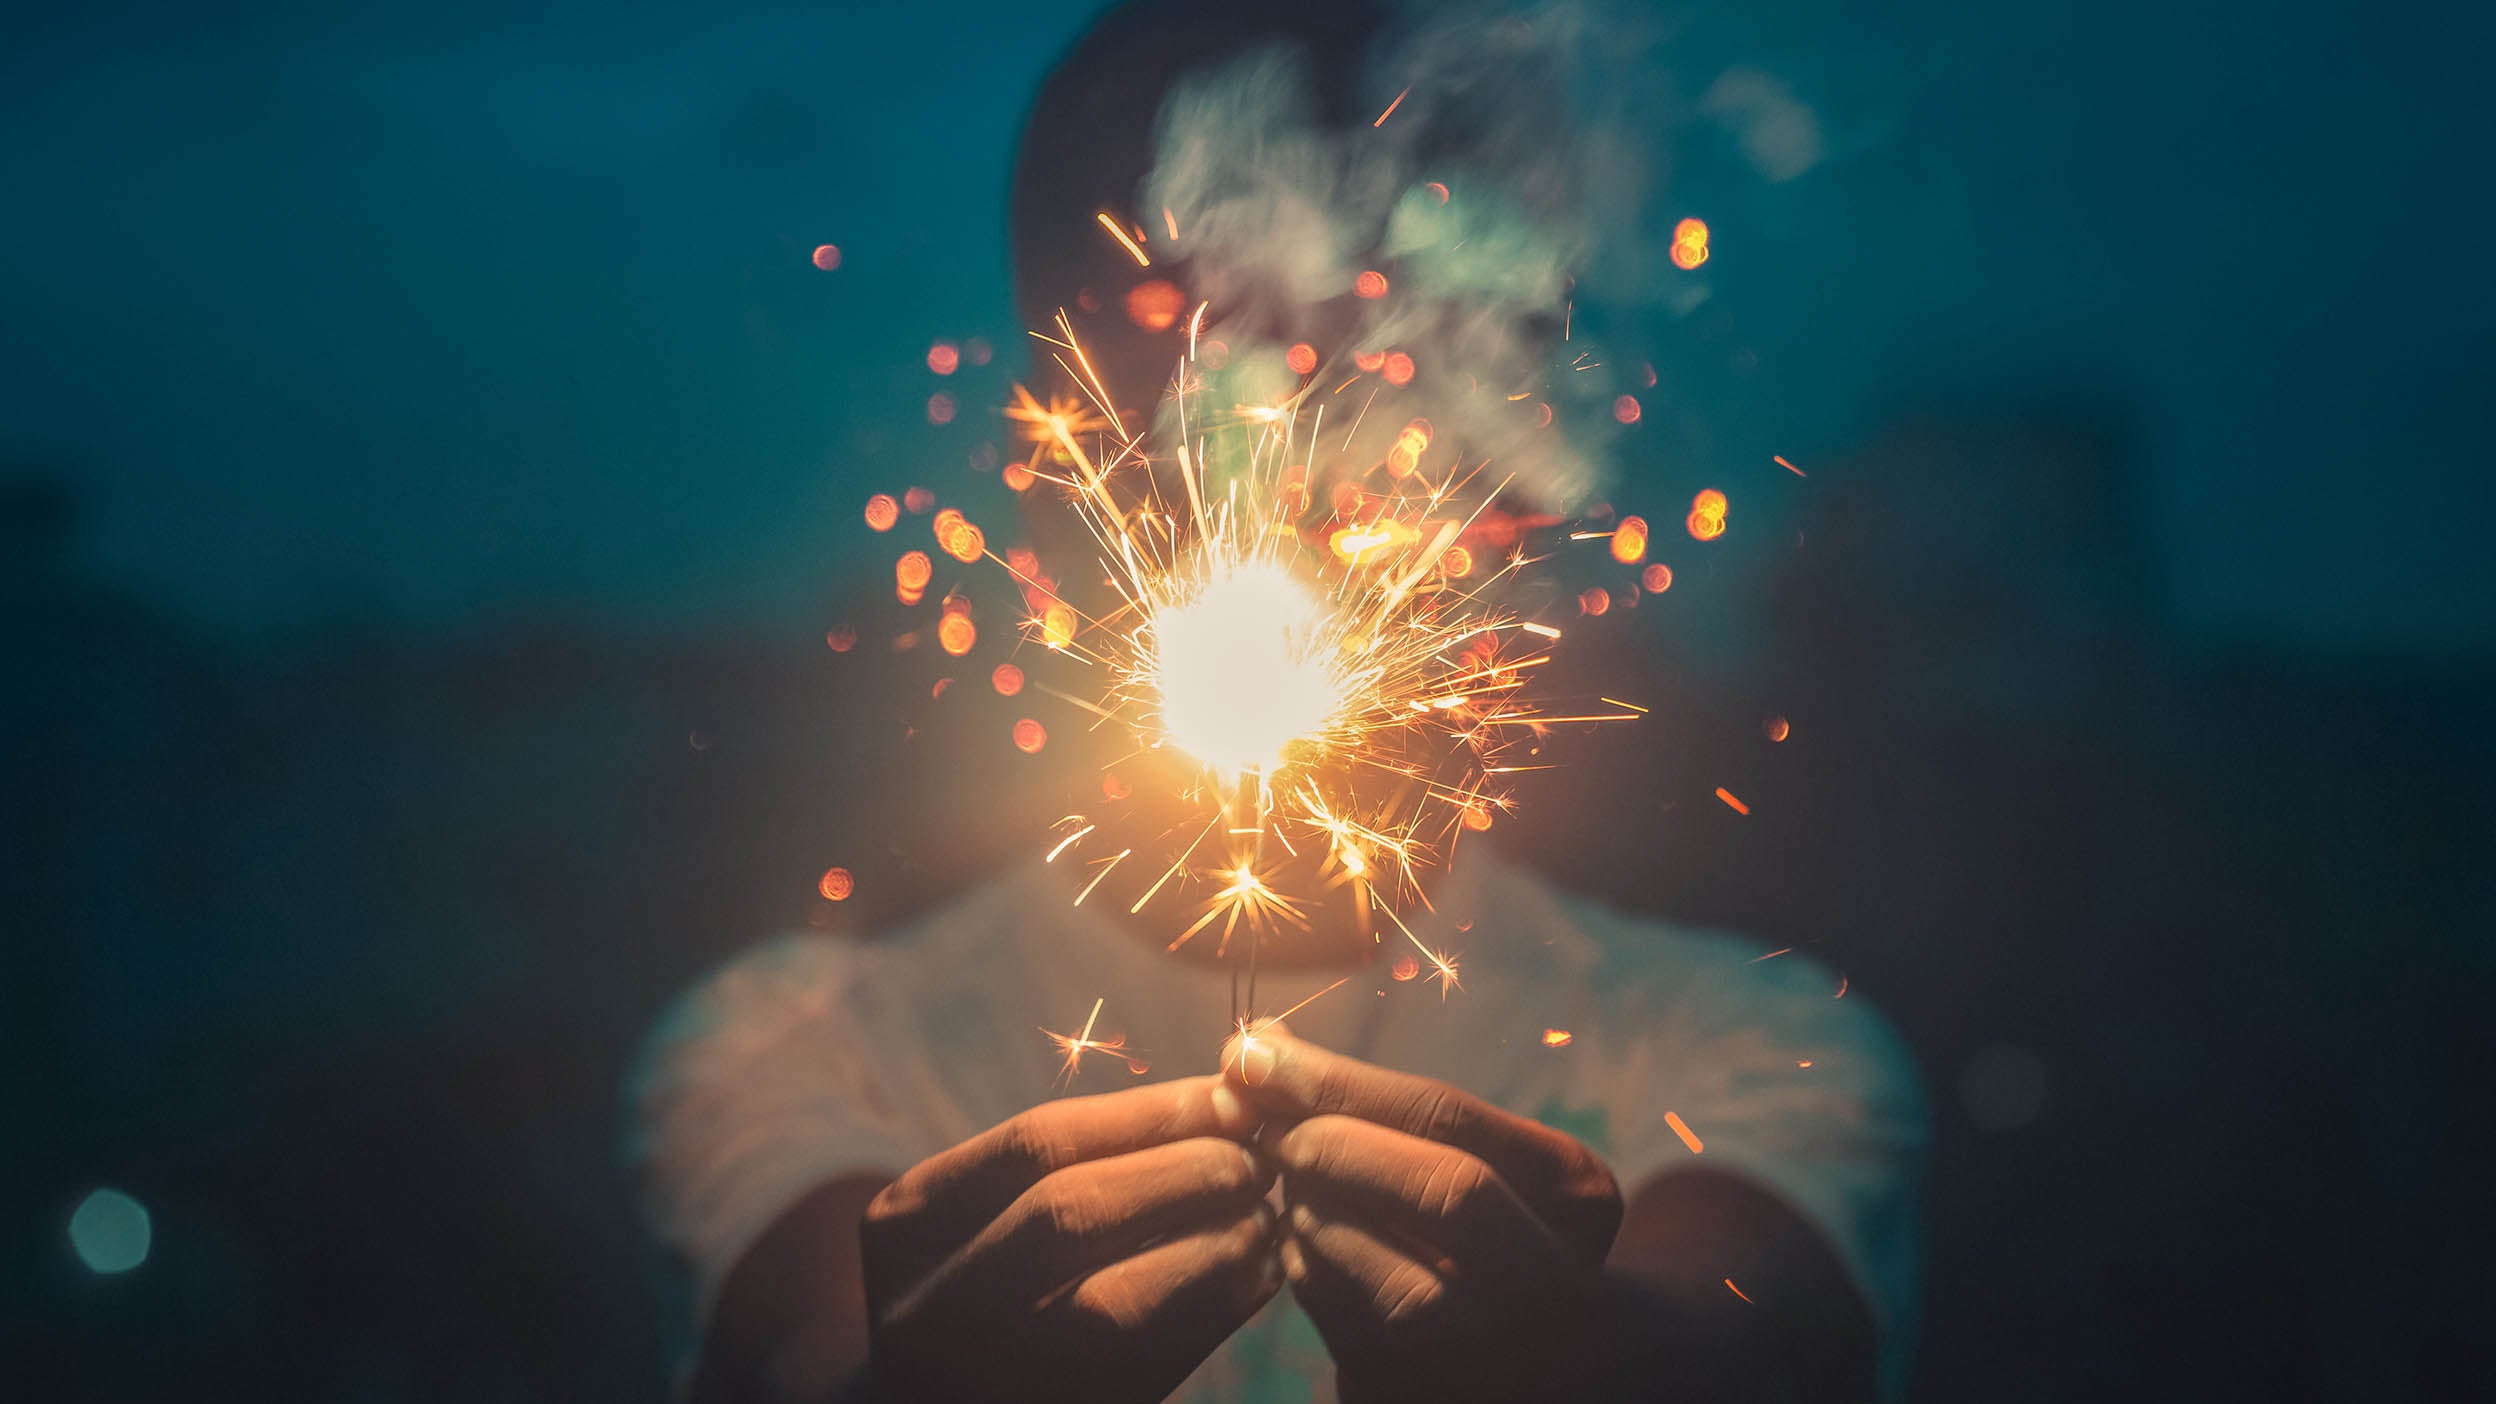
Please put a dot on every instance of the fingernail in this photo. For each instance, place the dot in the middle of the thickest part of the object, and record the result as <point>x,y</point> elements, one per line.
<point>1256,1061</point>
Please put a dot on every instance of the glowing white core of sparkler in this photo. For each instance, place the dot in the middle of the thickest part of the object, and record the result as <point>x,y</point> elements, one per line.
<point>1244,668</point>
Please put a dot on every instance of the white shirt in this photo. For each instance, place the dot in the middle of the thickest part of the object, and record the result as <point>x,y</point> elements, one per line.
<point>816,1056</point>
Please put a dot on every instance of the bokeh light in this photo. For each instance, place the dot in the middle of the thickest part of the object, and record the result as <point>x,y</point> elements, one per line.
<point>1629,541</point>
<point>1302,358</point>
<point>1371,284</point>
<point>1690,243</point>
<point>1007,679</point>
<point>836,884</point>
<point>940,408</point>
<point>1707,515</point>
<point>944,358</point>
<point>882,512</point>
<point>1776,728</point>
<point>1155,304</point>
<point>956,633</point>
<point>840,638</point>
<point>110,1232</point>
<point>1657,578</point>
<point>1030,736</point>
<point>827,256</point>
<point>1625,409</point>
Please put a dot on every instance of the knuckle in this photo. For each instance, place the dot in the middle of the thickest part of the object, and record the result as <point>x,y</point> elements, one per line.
<point>1329,1088</point>
<point>1454,1187</point>
<point>1025,1139</point>
<point>1115,1295</point>
<point>1067,1209</point>
<point>1437,1111</point>
<point>1410,1299</point>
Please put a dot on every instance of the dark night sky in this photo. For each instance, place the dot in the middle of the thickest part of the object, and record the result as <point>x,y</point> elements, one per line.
<point>433,315</point>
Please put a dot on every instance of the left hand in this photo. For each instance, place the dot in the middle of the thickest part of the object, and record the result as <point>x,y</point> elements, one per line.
<point>1445,1249</point>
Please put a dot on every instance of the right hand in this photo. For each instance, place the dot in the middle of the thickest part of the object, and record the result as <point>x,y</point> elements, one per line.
<point>1095,1248</point>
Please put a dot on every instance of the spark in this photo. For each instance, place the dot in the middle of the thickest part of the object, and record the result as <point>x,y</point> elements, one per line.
<point>1738,1291</point>
<point>1682,1129</point>
<point>1107,865</point>
<point>1780,462</point>
<point>1074,1046</point>
<point>1247,1026</point>
<point>1068,842</point>
<point>1125,240</point>
<point>1557,1038</point>
<point>1317,698</point>
<point>1772,955</point>
<point>1391,107</point>
<point>1732,803</point>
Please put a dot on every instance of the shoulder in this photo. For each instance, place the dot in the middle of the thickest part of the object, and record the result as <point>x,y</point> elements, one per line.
<point>1710,984</point>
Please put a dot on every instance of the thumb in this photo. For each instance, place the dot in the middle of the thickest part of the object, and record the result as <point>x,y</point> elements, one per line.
<point>1254,1056</point>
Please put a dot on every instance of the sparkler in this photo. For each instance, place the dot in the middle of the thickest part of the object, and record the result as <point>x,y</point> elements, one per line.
<point>1318,684</point>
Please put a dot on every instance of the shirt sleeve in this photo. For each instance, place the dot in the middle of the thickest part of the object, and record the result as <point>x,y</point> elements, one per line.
<point>1774,1070</point>
<point>754,1088</point>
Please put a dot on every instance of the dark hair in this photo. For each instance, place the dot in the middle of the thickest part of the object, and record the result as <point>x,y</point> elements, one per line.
<point>1088,143</point>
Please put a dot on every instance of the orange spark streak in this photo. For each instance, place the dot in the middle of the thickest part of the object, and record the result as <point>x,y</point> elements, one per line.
<point>1780,461</point>
<point>1727,796</point>
<point>1682,1129</point>
<point>1248,1029</point>
<point>1076,1045</point>
<point>1391,107</point>
<point>1125,240</point>
<point>1104,872</point>
<point>1739,1292</point>
<point>1772,955</point>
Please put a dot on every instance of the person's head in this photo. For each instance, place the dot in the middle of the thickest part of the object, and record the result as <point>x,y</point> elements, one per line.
<point>1089,143</point>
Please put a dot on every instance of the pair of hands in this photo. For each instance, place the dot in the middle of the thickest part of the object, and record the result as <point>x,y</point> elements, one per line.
<point>1101,1247</point>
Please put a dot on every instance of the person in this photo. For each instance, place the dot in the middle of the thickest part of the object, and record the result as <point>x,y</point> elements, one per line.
<point>1612,1157</point>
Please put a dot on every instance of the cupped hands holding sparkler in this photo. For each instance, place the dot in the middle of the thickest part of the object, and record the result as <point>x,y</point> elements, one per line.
<point>1101,1247</point>
<point>1446,1249</point>
<point>1095,1248</point>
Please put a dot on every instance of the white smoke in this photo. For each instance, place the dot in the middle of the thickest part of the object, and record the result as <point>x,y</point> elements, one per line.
<point>1509,160</point>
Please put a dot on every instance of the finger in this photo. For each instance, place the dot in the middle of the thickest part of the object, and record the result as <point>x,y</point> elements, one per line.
<point>1148,1321</point>
<point>1087,1216</point>
<point>922,1217</point>
<point>1380,1308</point>
<point>1567,1185</point>
<point>1447,1198</point>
